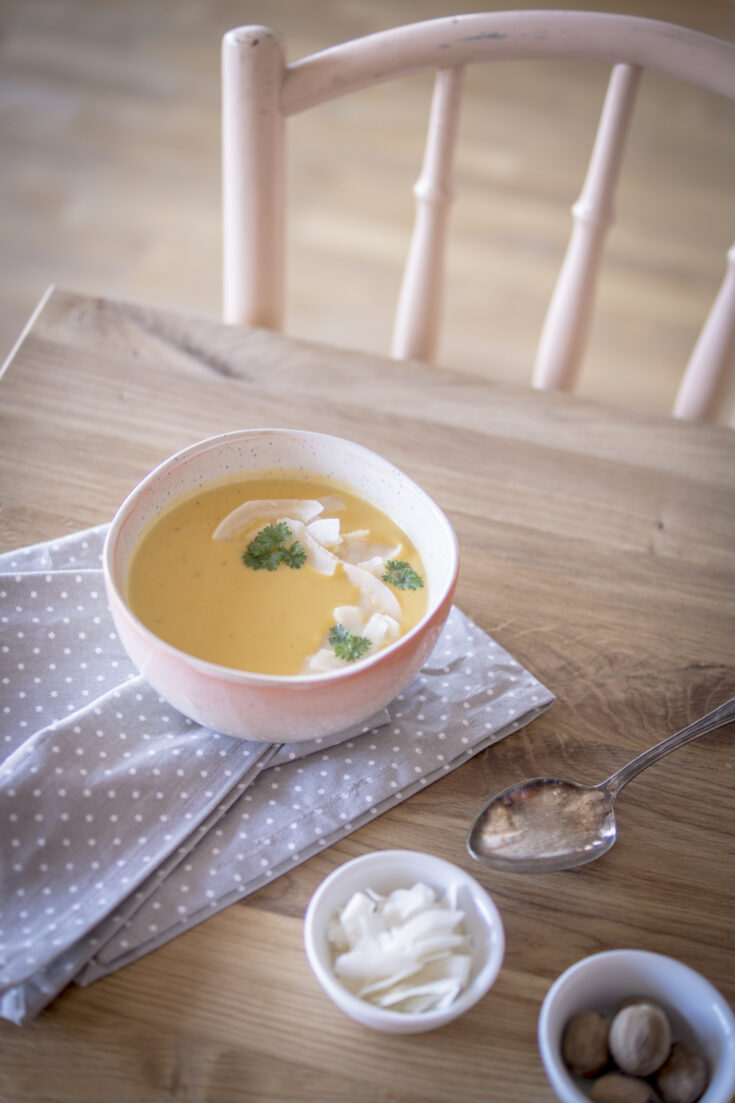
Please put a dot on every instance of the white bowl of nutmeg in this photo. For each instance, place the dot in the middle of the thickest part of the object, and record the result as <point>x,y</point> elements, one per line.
<point>632,1026</point>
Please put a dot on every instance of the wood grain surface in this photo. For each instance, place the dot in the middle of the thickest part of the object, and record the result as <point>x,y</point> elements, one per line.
<point>597,546</point>
<point>110,183</point>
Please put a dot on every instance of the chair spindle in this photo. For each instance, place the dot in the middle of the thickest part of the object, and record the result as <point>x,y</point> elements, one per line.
<point>253,188</point>
<point>418,315</point>
<point>565,330</point>
<point>700,392</point>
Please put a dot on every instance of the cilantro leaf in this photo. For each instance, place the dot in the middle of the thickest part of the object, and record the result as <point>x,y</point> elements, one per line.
<point>295,556</point>
<point>346,644</point>
<point>268,550</point>
<point>402,575</point>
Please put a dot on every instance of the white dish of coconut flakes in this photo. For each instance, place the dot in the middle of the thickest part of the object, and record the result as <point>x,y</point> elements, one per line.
<point>403,941</point>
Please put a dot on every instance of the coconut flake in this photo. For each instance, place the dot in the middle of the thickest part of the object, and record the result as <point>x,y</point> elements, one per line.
<point>380,629</point>
<point>403,904</point>
<point>317,556</point>
<point>322,661</point>
<point>375,565</point>
<point>375,592</point>
<point>265,510</point>
<point>351,617</point>
<point>325,530</point>
<point>430,994</point>
<point>357,547</point>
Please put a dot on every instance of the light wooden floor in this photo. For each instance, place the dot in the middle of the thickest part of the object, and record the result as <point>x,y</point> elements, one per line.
<point>109,182</point>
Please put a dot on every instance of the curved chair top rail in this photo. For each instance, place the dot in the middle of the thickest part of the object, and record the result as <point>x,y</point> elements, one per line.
<point>508,36</point>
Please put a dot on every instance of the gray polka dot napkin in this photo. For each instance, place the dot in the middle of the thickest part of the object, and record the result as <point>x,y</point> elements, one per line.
<point>122,823</point>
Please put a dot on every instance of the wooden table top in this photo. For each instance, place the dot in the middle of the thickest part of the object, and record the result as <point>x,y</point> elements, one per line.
<point>598,547</point>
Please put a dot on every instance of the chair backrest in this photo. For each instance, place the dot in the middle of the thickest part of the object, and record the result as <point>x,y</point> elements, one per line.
<point>260,91</point>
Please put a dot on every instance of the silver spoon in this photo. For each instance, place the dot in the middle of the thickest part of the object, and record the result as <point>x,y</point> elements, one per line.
<point>547,823</point>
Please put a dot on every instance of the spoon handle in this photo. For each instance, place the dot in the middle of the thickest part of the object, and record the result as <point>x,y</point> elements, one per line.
<point>715,719</point>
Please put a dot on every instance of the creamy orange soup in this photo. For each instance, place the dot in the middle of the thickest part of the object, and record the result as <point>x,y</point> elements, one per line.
<point>213,598</point>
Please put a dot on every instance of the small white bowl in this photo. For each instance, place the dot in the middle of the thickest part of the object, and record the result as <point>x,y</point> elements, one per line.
<point>384,871</point>
<point>696,1009</point>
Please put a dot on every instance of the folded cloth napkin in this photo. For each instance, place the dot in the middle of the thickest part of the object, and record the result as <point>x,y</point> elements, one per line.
<point>123,823</point>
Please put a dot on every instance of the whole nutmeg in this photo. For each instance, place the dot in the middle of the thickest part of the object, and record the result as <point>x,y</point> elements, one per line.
<point>683,1076</point>
<point>640,1038</point>
<point>616,1088</point>
<point>584,1043</point>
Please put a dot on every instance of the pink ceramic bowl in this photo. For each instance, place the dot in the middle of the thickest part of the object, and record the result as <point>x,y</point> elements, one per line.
<point>278,708</point>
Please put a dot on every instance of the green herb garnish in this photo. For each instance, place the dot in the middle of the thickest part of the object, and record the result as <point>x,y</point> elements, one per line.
<point>295,556</point>
<point>268,549</point>
<point>346,644</point>
<point>402,575</point>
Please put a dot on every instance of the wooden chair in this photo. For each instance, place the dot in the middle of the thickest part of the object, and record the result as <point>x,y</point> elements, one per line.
<point>260,91</point>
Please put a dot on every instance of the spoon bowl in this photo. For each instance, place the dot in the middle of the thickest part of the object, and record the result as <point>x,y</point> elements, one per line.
<point>548,823</point>
<point>544,824</point>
